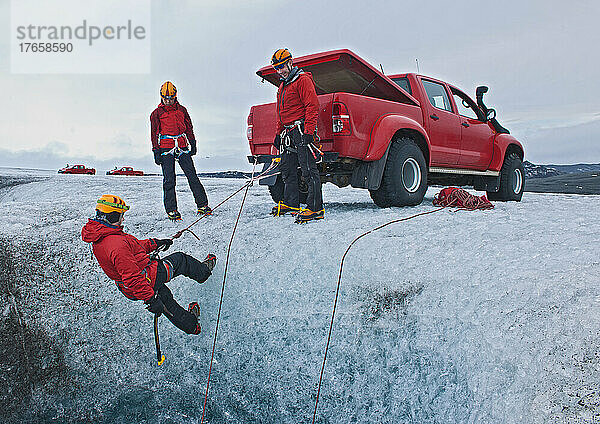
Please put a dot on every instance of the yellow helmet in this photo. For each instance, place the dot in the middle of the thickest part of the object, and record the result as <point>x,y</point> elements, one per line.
<point>109,203</point>
<point>168,90</point>
<point>280,58</point>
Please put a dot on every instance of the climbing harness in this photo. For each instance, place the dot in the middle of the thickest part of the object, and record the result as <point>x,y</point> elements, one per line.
<point>176,151</point>
<point>247,186</point>
<point>286,136</point>
<point>286,140</point>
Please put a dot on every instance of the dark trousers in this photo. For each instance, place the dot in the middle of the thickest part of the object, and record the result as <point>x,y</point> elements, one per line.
<point>187,165</point>
<point>170,267</point>
<point>289,173</point>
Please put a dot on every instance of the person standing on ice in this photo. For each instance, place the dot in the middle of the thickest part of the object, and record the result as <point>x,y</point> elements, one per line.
<point>126,260</point>
<point>172,137</point>
<point>297,111</point>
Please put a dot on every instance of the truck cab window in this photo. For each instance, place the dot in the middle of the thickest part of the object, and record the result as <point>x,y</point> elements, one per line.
<point>466,106</point>
<point>437,95</point>
<point>403,83</point>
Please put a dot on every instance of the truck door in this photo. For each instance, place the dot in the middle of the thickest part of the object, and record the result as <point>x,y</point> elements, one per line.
<point>443,125</point>
<point>477,138</point>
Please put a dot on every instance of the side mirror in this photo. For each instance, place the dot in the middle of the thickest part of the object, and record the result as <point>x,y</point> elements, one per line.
<point>491,114</point>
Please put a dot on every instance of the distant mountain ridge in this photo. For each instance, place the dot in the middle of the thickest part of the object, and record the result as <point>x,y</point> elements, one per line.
<point>577,168</point>
<point>542,171</point>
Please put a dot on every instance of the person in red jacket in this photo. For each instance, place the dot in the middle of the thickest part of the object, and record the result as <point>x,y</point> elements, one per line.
<point>139,276</point>
<point>172,137</point>
<point>297,111</point>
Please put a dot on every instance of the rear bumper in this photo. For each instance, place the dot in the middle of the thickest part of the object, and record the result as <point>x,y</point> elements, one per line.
<point>328,157</point>
<point>271,177</point>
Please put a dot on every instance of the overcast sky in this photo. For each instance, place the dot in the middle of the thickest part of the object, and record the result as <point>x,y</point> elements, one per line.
<point>539,58</point>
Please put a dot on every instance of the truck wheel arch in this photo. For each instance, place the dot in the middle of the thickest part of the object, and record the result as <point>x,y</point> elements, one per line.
<point>387,128</point>
<point>504,145</point>
<point>369,172</point>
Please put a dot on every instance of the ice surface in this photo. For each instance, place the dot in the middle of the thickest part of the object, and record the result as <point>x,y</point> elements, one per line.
<point>453,317</point>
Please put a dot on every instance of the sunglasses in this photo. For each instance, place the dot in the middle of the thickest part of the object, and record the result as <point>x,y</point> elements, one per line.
<point>280,66</point>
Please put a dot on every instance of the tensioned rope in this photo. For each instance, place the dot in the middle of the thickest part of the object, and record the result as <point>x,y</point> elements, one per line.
<point>154,255</point>
<point>449,197</point>
<point>247,186</point>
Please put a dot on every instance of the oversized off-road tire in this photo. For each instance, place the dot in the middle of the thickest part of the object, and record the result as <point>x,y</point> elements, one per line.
<point>512,180</point>
<point>276,190</point>
<point>404,181</point>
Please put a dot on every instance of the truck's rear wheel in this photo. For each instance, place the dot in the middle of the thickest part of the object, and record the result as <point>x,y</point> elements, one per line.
<point>404,181</point>
<point>276,190</point>
<point>512,180</point>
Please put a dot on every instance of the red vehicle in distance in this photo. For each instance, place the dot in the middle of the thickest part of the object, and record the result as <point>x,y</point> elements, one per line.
<point>77,169</point>
<point>125,170</point>
<point>394,134</point>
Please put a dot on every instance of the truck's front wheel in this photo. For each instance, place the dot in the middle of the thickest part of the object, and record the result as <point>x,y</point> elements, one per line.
<point>404,181</point>
<point>276,190</point>
<point>512,180</point>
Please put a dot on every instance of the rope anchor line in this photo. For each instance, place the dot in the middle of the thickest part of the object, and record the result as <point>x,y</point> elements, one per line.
<point>337,292</point>
<point>448,197</point>
<point>212,356</point>
<point>248,184</point>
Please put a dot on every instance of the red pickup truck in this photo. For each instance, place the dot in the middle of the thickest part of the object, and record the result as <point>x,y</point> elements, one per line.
<point>125,170</point>
<point>395,135</point>
<point>77,169</point>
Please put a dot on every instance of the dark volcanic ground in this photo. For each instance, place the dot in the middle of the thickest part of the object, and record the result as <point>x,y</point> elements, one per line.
<point>582,183</point>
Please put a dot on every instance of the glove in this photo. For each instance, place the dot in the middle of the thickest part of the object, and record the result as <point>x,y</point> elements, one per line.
<point>307,139</point>
<point>157,157</point>
<point>193,149</point>
<point>155,305</point>
<point>163,242</point>
<point>277,142</point>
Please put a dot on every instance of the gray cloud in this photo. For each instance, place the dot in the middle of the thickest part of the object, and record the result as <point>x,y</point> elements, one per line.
<point>538,58</point>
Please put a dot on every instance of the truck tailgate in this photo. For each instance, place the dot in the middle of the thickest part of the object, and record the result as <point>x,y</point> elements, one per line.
<point>263,119</point>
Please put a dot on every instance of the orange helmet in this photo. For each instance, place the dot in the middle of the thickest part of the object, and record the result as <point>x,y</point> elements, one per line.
<point>168,90</point>
<point>108,203</point>
<point>280,58</point>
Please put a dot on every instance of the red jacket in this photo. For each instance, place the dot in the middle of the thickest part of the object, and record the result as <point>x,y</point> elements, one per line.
<point>171,120</point>
<point>123,258</point>
<point>298,100</point>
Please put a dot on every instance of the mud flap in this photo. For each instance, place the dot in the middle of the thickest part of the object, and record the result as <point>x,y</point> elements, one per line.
<point>486,183</point>
<point>369,174</point>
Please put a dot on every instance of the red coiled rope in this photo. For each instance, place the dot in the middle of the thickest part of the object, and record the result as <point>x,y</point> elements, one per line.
<point>459,198</point>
